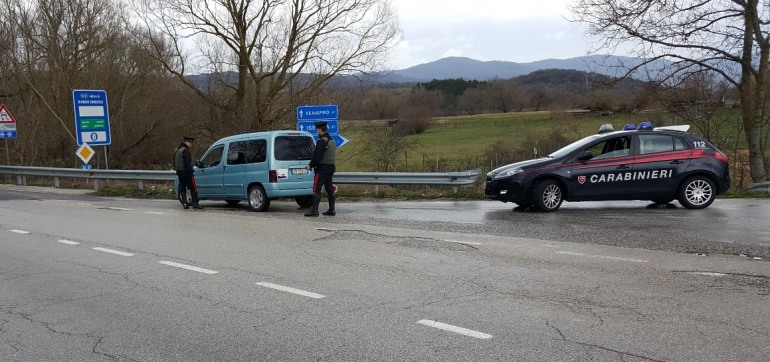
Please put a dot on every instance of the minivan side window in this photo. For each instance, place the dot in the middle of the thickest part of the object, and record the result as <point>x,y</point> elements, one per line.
<point>292,148</point>
<point>251,151</point>
<point>213,157</point>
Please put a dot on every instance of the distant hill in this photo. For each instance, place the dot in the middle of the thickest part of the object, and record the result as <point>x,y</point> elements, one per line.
<point>470,69</point>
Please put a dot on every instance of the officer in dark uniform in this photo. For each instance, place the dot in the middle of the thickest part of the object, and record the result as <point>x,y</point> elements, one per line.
<point>184,171</point>
<point>323,164</point>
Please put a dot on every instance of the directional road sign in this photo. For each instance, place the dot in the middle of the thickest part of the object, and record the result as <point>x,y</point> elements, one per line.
<point>307,116</point>
<point>309,126</point>
<point>317,113</point>
<point>92,118</point>
<point>7,123</point>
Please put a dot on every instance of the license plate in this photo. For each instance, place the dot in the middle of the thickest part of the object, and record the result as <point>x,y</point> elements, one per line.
<point>299,171</point>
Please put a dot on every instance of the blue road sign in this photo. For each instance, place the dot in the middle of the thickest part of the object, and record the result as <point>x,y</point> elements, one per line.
<point>338,140</point>
<point>315,113</point>
<point>92,118</point>
<point>309,126</point>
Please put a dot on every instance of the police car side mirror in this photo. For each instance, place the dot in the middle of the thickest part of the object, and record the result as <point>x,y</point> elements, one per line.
<point>585,156</point>
<point>198,163</point>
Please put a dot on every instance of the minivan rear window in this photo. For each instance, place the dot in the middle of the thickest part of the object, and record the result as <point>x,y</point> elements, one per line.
<point>292,148</point>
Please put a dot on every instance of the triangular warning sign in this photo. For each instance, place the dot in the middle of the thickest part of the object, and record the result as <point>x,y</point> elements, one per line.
<point>5,116</point>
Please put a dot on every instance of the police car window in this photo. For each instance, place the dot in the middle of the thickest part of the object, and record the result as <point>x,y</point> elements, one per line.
<point>614,147</point>
<point>655,143</point>
<point>214,157</point>
<point>243,152</point>
<point>679,144</point>
<point>292,148</point>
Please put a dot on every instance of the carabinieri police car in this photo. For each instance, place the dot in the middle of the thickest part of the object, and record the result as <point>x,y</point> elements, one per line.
<point>659,164</point>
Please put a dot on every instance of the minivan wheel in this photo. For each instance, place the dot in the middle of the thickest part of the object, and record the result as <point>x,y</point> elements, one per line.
<point>548,196</point>
<point>304,201</point>
<point>696,192</point>
<point>258,200</point>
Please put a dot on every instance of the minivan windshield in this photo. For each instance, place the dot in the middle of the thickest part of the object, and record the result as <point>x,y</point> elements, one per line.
<point>292,148</point>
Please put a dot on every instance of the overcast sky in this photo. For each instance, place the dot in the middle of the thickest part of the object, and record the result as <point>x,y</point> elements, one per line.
<point>507,30</point>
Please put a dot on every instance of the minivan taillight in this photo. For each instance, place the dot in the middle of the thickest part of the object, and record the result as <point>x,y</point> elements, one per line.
<point>720,156</point>
<point>273,177</point>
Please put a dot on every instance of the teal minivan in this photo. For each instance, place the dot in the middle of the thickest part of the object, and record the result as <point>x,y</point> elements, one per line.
<point>257,167</point>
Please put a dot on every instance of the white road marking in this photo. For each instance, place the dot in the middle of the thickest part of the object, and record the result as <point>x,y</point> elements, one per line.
<point>121,253</point>
<point>462,242</point>
<point>119,208</point>
<point>603,257</point>
<point>188,267</point>
<point>454,329</point>
<point>156,213</point>
<point>710,274</point>
<point>290,290</point>
<point>19,231</point>
<point>68,242</point>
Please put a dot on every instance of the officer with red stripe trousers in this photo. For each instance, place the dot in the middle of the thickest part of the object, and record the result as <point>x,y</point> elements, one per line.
<point>323,164</point>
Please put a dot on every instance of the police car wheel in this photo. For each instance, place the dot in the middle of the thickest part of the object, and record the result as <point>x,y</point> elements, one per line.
<point>258,200</point>
<point>696,192</point>
<point>548,196</point>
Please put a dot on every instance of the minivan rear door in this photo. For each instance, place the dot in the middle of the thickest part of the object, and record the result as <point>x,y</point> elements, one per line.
<point>291,154</point>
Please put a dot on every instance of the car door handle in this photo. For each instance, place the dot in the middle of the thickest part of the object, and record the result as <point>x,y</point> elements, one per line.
<point>623,167</point>
<point>676,162</point>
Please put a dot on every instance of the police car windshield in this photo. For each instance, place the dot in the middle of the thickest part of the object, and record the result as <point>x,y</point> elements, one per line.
<point>566,150</point>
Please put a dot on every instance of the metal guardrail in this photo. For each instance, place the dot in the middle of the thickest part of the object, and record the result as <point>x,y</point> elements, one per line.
<point>456,179</point>
<point>760,187</point>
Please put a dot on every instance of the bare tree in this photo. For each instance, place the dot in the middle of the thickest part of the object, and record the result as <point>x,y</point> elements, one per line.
<point>267,56</point>
<point>728,37</point>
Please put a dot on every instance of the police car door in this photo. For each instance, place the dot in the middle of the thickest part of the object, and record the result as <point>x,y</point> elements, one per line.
<point>209,174</point>
<point>661,161</point>
<point>600,171</point>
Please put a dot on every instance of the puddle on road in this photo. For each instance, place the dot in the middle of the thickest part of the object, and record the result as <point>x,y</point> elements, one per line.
<point>406,241</point>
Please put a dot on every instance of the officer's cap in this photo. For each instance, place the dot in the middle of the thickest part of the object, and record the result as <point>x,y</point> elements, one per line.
<point>188,138</point>
<point>321,125</point>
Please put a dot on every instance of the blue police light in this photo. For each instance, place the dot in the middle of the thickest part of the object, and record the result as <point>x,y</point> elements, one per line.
<point>646,125</point>
<point>629,127</point>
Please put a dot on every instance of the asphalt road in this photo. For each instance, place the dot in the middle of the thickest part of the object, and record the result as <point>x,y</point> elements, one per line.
<point>99,279</point>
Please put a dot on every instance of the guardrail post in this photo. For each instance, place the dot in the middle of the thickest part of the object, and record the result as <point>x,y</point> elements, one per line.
<point>454,189</point>
<point>56,183</point>
<point>96,184</point>
<point>376,190</point>
<point>141,185</point>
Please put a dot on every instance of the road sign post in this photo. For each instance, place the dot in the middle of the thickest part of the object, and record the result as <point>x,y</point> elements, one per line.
<point>307,116</point>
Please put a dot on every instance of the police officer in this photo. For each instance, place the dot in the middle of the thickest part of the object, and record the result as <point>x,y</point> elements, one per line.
<point>323,163</point>
<point>185,173</point>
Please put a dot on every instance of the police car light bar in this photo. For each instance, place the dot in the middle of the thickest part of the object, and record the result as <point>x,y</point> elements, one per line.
<point>680,128</point>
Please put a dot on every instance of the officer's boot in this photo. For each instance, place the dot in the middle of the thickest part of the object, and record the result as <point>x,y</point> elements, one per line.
<point>182,196</point>
<point>195,204</point>
<point>331,211</point>
<point>314,209</point>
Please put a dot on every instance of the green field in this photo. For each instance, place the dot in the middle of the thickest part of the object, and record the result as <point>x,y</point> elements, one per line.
<point>461,142</point>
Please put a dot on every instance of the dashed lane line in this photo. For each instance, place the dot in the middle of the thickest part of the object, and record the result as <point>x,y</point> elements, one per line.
<point>116,252</point>
<point>454,329</point>
<point>68,242</point>
<point>290,290</point>
<point>19,231</point>
<point>188,267</point>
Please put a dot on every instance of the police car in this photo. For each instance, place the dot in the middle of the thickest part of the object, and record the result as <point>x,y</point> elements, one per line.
<point>659,164</point>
